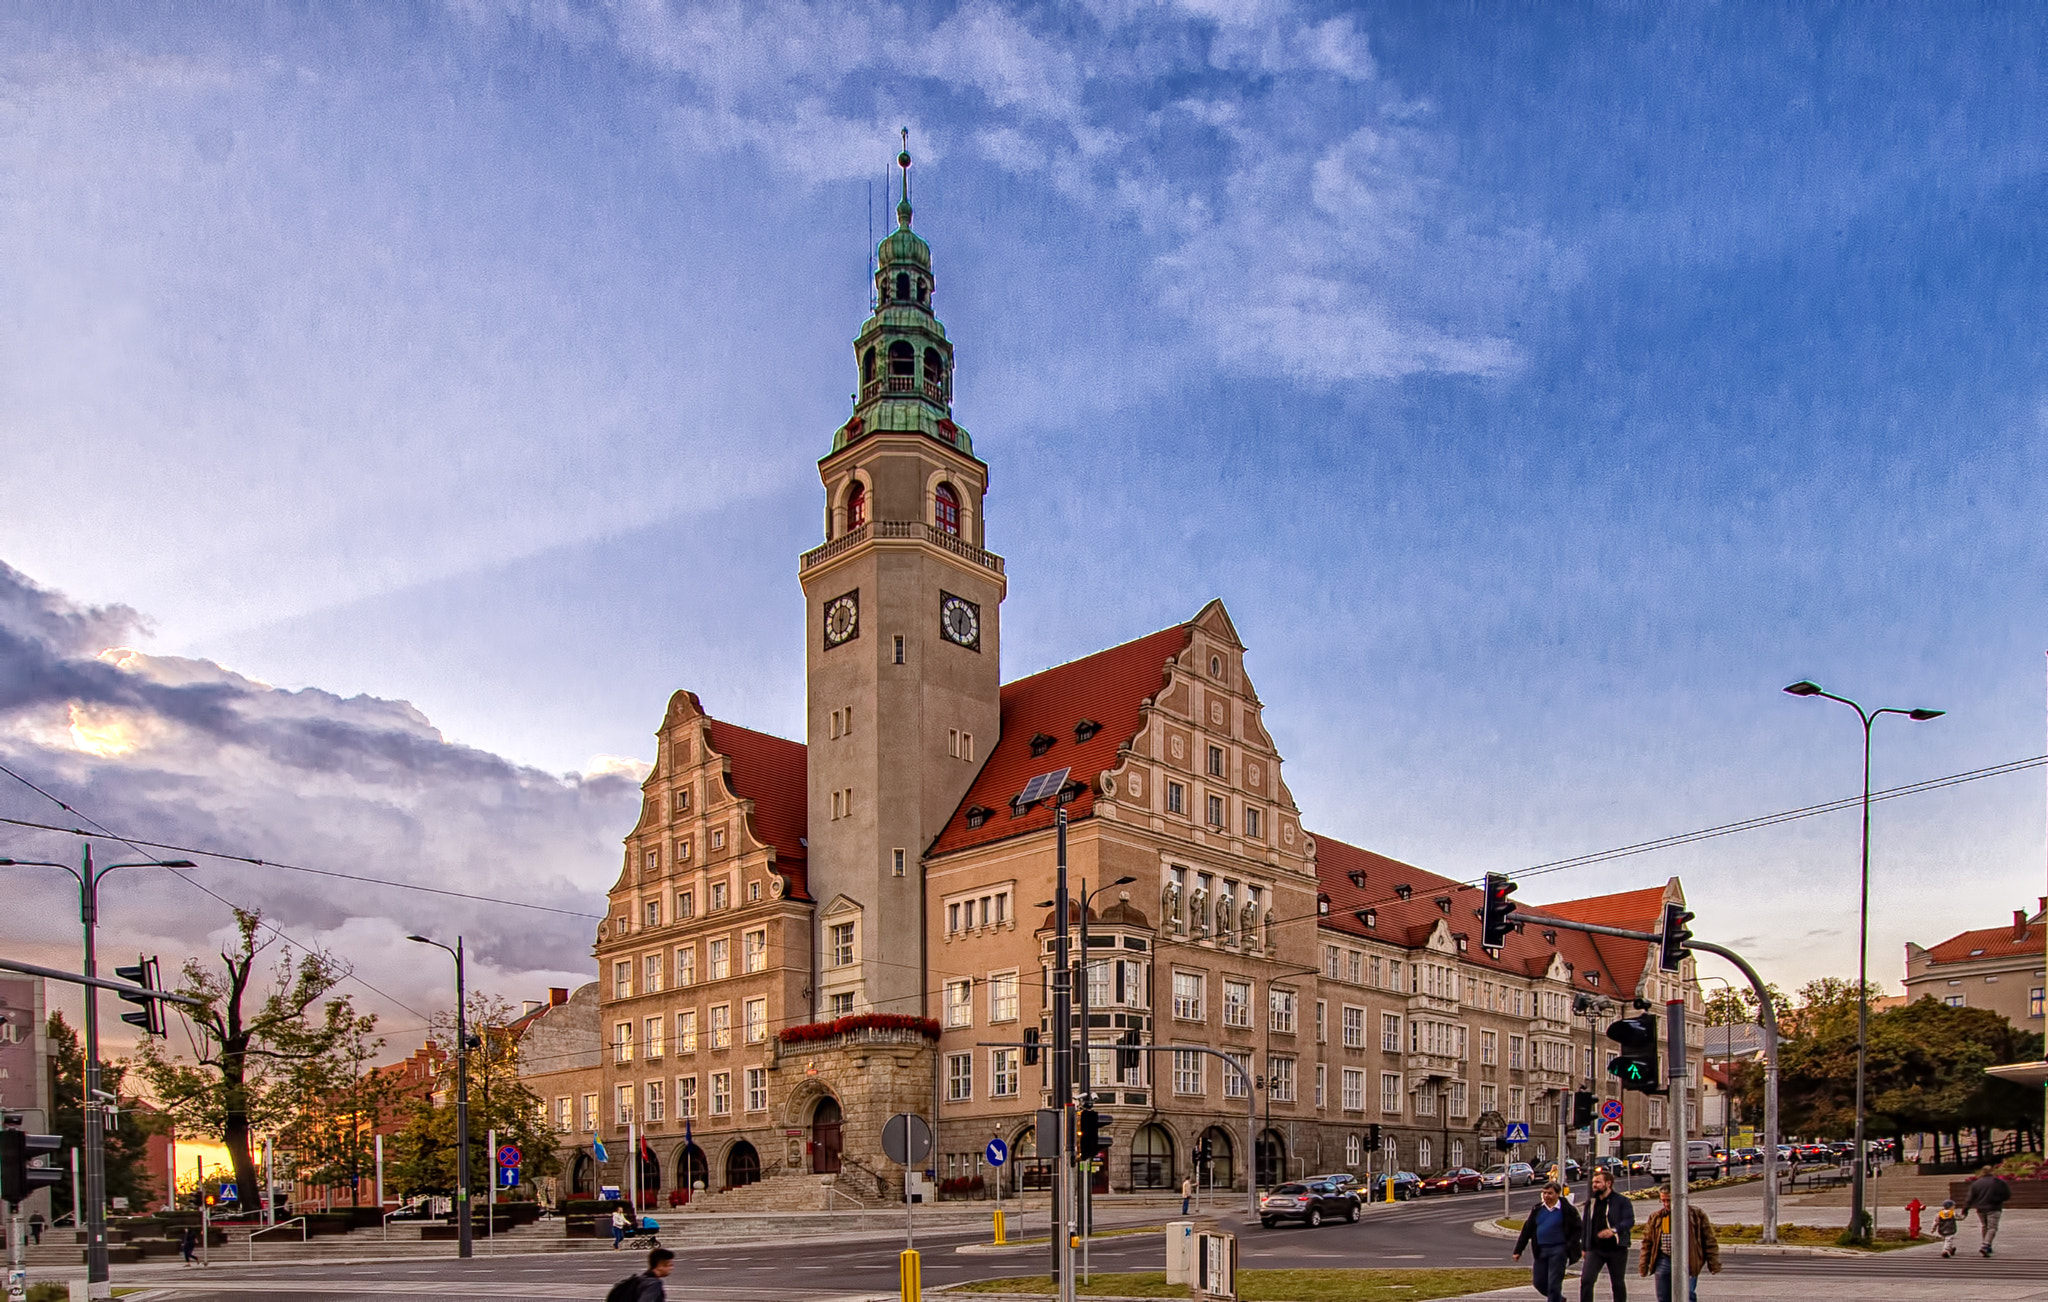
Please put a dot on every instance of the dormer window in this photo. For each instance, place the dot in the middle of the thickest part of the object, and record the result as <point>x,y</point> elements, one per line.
<point>1322,904</point>
<point>1086,729</point>
<point>977,815</point>
<point>1370,917</point>
<point>946,508</point>
<point>1549,937</point>
<point>1357,876</point>
<point>1404,890</point>
<point>1443,905</point>
<point>902,359</point>
<point>1040,744</point>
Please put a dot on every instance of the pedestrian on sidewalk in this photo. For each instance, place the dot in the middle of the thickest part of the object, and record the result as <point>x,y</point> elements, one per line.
<point>1609,1216</point>
<point>1187,1193</point>
<point>1702,1248</point>
<point>1946,1222</point>
<point>35,1227</point>
<point>1987,1198</point>
<point>188,1243</point>
<point>1553,1227</point>
<point>622,1225</point>
<point>646,1286</point>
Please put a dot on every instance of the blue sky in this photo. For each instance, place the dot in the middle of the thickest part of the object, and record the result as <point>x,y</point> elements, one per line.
<point>1541,387</point>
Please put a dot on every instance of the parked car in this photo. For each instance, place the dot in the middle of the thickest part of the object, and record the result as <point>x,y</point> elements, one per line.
<point>1311,1203</point>
<point>1640,1163</point>
<point>1407,1184</point>
<point>1516,1175</point>
<point>1462,1179</point>
<point>1699,1160</point>
<point>1342,1179</point>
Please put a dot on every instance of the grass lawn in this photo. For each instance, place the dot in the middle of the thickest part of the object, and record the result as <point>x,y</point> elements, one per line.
<point>1797,1236</point>
<point>1281,1285</point>
<point>1099,1234</point>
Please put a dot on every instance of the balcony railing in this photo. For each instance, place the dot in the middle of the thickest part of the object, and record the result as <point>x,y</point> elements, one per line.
<point>910,385</point>
<point>904,530</point>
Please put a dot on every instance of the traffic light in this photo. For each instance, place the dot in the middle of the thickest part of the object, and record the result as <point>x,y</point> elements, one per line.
<point>1583,1104</point>
<point>27,1164</point>
<point>1127,1054</point>
<point>1673,948</point>
<point>144,974</point>
<point>1092,1144</point>
<point>1494,923</point>
<point>1636,1065</point>
<point>1372,1136</point>
<point>1030,1046</point>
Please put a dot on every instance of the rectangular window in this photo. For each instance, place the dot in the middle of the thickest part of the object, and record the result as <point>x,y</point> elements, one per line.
<point>1187,1071</point>
<point>686,1097</point>
<point>1390,1032</point>
<point>1425,1100</point>
<point>681,800</point>
<point>757,1089</point>
<point>721,1093</point>
<point>565,1114</point>
<point>1331,955</point>
<point>1354,1027</point>
<point>1457,1098</point>
<point>959,1077</point>
<point>1216,761</point>
<point>1254,825</point>
<point>720,951</point>
<point>1355,967</point>
<point>686,1031</point>
<point>657,1103</point>
<point>652,966</point>
<point>1280,1011</point>
<point>1237,1003</point>
<point>721,895</point>
<point>899,648</point>
<point>1234,1080</point>
<point>897,862</point>
<point>756,1013</point>
<point>1322,1080</point>
<point>1002,997</point>
<point>1656,1114</point>
<point>622,1042</point>
<point>1176,798</point>
<point>1353,1097</point>
<point>1322,1022</point>
<point>1514,1053</point>
<point>1187,996</point>
<point>1517,1110</point>
<point>1489,1047</point>
<point>651,912</point>
<point>842,1004</point>
<point>1390,1092</point>
<point>1489,1098</point>
<point>754,951</point>
<point>686,905</point>
<point>721,1026</point>
<point>840,942</point>
<point>952,919</point>
<point>1216,812</point>
<point>622,1105</point>
<point>622,979</point>
<point>686,966</point>
<point>1280,1079</point>
<point>590,1113</point>
<point>960,1003</point>
<point>1002,1073</point>
<point>651,1029</point>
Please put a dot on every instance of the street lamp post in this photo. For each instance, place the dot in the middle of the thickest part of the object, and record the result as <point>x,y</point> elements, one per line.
<point>462,1221</point>
<point>98,1280</point>
<point>1867,717</point>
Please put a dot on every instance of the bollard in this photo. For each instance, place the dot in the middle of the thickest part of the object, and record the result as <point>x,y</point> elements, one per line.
<point>1000,1240</point>
<point>1390,1188</point>
<point>912,1276</point>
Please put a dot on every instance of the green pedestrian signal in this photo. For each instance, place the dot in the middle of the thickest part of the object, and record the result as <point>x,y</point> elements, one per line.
<point>1636,1064</point>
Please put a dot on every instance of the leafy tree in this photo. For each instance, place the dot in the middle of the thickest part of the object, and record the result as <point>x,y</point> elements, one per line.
<point>126,1150</point>
<point>1733,1006</point>
<point>344,1101</point>
<point>249,1065</point>
<point>426,1149</point>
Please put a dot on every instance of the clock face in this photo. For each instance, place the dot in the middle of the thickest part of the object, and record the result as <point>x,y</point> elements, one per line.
<point>960,621</point>
<point>842,618</point>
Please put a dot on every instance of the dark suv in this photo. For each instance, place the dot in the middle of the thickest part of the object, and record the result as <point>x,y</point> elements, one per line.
<point>1311,1203</point>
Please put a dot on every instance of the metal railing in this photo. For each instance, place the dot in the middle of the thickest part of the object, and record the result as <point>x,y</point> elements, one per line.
<point>834,1191</point>
<point>299,1221</point>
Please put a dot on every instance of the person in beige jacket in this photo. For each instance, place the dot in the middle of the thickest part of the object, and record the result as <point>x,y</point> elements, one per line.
<point>1702,1248</point>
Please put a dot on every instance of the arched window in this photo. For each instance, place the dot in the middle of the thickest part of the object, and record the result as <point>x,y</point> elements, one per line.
<point>902,358</point>
<point>857,506</point>
<point>867,366</point>
<point>934,370</point>
<point>946,510</point>
<point>903,285</point>
<point>1151,1159</point>
<point>742,1165</point>
<point>922,290</point>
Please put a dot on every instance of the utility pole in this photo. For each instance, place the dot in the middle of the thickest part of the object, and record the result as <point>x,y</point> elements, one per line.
<point>1681,1149</point>
<point>1062,1070</point>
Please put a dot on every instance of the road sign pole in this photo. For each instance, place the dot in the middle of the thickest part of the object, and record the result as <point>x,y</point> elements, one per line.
<point>1679,1226</point>
<point>491,1198</point>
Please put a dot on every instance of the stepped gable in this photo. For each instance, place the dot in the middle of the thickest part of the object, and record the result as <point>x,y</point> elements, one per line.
<point>1110,688</point>
<point>771,772</point>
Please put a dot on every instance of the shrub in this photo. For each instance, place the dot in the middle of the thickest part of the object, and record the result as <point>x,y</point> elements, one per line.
<point>811,1031</point>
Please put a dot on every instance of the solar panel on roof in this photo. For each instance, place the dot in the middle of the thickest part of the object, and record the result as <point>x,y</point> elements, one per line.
<point>1043,786</point>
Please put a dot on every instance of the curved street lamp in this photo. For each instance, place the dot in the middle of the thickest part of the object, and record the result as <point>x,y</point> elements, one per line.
<point>462,1219</point>
<point>1805,688</point>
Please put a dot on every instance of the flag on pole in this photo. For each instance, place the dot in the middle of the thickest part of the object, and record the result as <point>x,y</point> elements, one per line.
<point>598,1146</point>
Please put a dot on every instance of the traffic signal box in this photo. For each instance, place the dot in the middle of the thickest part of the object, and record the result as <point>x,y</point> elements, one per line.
<point>28,1163</point>
<point>1673,946</point>
<point>144,974</point>
<point>1636,1064</point>
<point>1094,1145</point>
<point>1584,1103</point>
<point>1495,919</point>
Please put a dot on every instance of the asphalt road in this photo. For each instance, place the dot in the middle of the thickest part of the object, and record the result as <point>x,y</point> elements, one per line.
<point>1429,1232</point>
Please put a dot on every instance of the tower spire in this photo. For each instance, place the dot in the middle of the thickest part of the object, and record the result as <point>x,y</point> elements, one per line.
<point>903,204</point>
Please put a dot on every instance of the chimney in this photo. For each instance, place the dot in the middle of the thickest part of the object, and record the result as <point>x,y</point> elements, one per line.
<point>533,1006</point>
<point>557,996</point>
<point>2019,924</point>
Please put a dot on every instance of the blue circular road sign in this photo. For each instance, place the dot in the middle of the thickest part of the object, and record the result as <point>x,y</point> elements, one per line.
<point>998,1152</point>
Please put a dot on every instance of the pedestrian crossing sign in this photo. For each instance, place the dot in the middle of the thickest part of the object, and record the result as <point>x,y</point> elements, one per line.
<point>1517,1133</point>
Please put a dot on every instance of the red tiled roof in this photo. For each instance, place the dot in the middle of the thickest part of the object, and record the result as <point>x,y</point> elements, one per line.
<point>1996,942</point>
<point>771,772</point>
<point>1109,687</point>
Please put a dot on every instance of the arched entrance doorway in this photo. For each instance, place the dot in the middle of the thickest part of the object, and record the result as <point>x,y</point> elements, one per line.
<point>827,1137</point>
<point>579,1174</point>
<point>1152,1158</point>
<point>692,1172</point>
<point>650,1175</point>
<point>1219,1172</point>
<point>742,1165</point>
<point>1272,1159</point>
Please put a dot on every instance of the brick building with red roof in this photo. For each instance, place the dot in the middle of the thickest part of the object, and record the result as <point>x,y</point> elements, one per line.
<point>806,937</point>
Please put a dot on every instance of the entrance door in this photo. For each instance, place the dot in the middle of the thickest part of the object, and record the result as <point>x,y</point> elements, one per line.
<point>826,1137</point>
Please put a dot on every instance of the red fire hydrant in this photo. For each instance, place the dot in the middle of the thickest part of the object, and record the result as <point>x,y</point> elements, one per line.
<point>1913,1210</point>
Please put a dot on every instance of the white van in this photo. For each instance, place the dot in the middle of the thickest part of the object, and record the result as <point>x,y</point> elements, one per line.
<point>1700,1162</point>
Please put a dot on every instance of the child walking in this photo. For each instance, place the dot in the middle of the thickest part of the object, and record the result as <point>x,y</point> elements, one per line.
<point>1946,1223</point>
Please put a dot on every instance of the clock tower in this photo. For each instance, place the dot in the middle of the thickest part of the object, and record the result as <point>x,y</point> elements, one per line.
<point>902,642</point>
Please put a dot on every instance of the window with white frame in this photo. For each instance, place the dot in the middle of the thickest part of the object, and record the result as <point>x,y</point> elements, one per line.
<point>622,1042</point>
<point>1002,1073</point>
<point>651,971</point>
<point>1489,1047</point>
<point>1237,1002</point>
<point>686,1097</point>
<point>1423,1153</point>
<point>757,1089</point>
<point>1517,1107</point>
<point>721,1026</point>
<point>840,1003</point>
<point>754,951</point>
<point>1187,1071</point>
<point>721,1093</point>
<point>1187,996</point>
<point>651,1031</point>
<point>622,979</point>
<point>686,904</point>
<point>1002,997</point>
<point>720,952</point>
<point>1354,967</point>
<point>1354,1150</point>
<point>1353,1096</point>
<point>686,966</point>
<point>1457,1153</point>
<point>686,1031</point>
<point>1656,1114</point>
<point>1425,1100</point>
<point>622,1105</point>
<point>1280,1006</point>
<point>1489,1098</point>
<point>1390,1091</point>
<point>565,1114</point>
<point>1354,1027</point>
<point>589,1112</point>
<point>1457,1098</point>
<point>1101,976</point>
<point>756,1015</point>
<point>1331,956</point>
<point>721,892</point>
<point>657,1102</point>
<point>1514,1053</point>
<point>960,1002</point>
<point>839,943</point>
<point>1234,1081</point>
<point>1322,1021</point>
<point>1322,1085</point>
<point>1390,1032</point>
<point>1254,822</point>
<point>959,1077</point>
